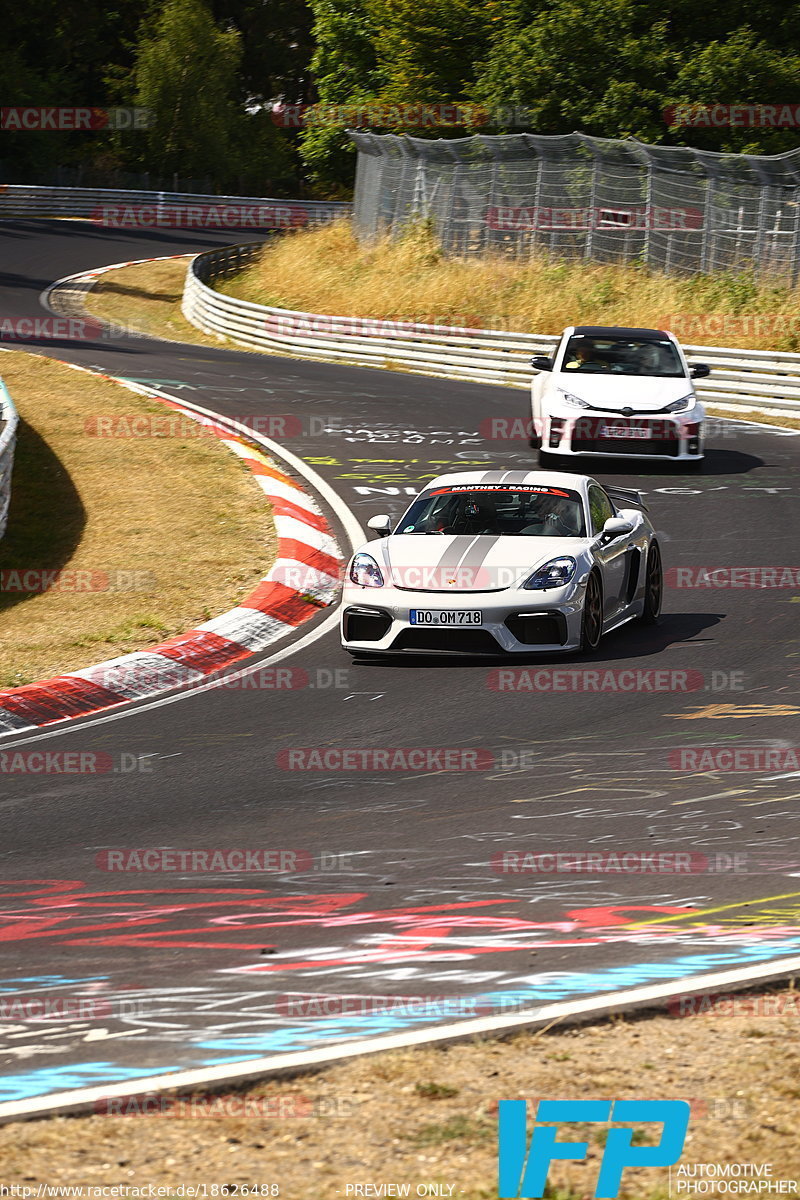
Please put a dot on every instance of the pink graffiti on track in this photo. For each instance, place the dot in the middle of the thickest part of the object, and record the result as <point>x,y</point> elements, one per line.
<point>65,912</point>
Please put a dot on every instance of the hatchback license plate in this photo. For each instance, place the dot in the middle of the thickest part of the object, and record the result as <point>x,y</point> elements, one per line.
<point>624,431</point>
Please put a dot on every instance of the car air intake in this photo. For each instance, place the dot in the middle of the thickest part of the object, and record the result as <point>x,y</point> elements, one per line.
<point>366,624</point>
<point>538,629</point>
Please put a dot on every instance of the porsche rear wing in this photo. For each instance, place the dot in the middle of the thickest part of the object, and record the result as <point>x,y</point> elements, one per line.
<point>625,496</point>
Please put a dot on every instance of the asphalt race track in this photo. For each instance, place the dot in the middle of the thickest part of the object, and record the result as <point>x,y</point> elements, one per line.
<point>395,892</point>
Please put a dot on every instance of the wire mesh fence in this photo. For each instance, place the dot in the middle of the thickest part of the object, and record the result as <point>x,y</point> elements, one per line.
<point>670,207</point>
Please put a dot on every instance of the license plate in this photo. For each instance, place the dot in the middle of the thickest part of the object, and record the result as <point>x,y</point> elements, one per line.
<point>446,616</point>
<point>624,431</point>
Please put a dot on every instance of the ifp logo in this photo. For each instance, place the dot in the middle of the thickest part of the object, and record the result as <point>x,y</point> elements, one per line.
<point>523,1171</point>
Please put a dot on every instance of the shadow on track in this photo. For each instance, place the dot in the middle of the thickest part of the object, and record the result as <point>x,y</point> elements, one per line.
<point>716,462</point>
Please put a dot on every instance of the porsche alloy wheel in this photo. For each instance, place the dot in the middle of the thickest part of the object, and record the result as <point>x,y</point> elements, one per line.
<point>653,587</point>
<point>592,626</point>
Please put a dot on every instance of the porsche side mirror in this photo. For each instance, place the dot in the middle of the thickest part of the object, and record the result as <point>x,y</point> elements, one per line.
<point>382,525</point>
<point>616,527</point>
<point>699,370</point>
<point>540,362</point>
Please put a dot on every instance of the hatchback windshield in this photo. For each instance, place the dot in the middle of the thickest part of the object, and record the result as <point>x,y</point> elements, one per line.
<point>520,510</point>
<point>595,355</point>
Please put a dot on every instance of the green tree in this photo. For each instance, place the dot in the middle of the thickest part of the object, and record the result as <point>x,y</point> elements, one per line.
<point>743,69</point>
<point>598,66</point>
<point>346,71</point>
<point>428,53</point>
<point>186,74</point>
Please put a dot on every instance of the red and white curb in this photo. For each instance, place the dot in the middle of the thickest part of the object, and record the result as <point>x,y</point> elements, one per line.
<point>303,579</point>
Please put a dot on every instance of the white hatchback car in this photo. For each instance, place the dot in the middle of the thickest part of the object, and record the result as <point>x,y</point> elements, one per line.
<point>611,390</point>
<point>503,562</point>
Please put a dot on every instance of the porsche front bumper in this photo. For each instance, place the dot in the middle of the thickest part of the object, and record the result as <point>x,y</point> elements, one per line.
<point>513,621</point>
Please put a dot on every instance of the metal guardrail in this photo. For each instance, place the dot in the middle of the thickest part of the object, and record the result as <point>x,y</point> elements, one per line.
<point>8,439</point>
<point>22,200</point>
<point>741,378</point>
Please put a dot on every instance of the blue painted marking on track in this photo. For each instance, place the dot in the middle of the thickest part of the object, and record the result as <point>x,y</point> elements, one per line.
<point>63,1078</point>
<point>13,985</point>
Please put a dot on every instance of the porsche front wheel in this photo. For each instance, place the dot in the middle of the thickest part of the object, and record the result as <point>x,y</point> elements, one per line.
<point>592,623</point>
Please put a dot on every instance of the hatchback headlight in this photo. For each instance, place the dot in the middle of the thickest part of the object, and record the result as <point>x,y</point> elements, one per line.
<point>573,401</point>
<point>556,573</point>
<point>681,405</point>
<point>365,571</point>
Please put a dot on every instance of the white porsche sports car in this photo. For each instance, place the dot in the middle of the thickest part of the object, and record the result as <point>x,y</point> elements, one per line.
<point>617,391</point>
<point>494,562</point>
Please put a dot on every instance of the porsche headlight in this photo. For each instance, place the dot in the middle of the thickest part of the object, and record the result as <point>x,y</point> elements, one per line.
<point>573,401</point>
<point>365,571</point>
<point>556,573</point>
<point>681,405</point>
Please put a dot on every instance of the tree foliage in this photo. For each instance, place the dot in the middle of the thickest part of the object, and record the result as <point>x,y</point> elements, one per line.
<point>210,69</point>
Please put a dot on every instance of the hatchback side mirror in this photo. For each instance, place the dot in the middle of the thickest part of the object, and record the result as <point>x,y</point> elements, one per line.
<point>699,370</point>
<point>542,363</point>
<point>381,525</point>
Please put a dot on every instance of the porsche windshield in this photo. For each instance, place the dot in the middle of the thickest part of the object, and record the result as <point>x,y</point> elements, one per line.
<point>656,357</point>
<point>524,510</point>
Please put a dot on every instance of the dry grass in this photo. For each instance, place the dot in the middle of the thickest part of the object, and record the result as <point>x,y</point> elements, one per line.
<point>147,298</point>
<point>428,1115</point>
<point>757,418</point>
<point>181,517</point>
<point>327,271</point>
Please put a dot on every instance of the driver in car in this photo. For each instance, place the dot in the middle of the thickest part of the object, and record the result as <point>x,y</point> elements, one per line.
<point>585,357</point>
<point>555,518</point>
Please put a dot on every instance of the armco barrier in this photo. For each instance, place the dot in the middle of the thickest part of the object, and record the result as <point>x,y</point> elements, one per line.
<point>747,379</point>
<point>8,437</point>
<point>21,200</point>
